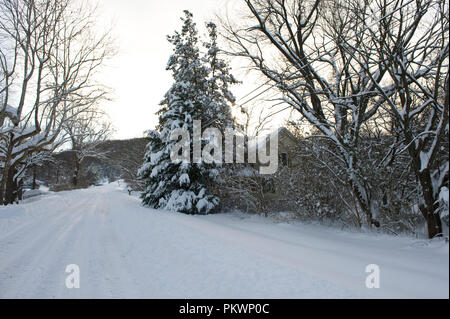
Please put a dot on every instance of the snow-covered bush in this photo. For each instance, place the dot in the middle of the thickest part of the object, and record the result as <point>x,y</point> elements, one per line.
<point>243,188</point>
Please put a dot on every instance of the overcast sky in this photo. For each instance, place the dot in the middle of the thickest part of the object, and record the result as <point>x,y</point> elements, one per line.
<point>137,73</point>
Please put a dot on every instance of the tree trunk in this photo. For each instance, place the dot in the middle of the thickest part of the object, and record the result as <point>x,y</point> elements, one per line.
<point>75,176</point>
<point>3,185</point>
<point>6,172</point>
<point>363,201</point>
<point>12,188</point>
<point>34,186</point>
<point>365,207</point>
<point>57,175</point>
<point>20,190</point>
<point>430,206</point>
<point>76,171</point>
<point>434,224</point>
<point>433,220</point>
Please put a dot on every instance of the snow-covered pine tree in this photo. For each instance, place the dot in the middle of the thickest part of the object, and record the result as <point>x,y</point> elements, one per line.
<point>218,113</point>
<point>219,82</point>
<point>180,186</point>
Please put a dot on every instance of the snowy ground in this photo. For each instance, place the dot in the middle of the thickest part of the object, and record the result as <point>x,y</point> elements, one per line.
<point>126,251</point>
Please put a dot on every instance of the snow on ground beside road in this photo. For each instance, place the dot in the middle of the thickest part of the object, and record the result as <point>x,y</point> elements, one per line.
<point>124,250</point>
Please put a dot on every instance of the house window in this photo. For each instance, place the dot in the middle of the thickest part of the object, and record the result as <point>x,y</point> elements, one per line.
<point>284,159</point>
<point>268,186</point>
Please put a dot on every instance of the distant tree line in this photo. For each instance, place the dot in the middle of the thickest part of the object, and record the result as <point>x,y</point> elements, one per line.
<point>118,160</point>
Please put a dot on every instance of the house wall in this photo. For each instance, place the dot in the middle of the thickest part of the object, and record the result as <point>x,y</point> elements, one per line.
<point>288,144</point>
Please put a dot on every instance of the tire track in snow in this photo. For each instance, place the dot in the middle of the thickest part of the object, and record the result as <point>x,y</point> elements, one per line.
<point>125,250</point>
<point>31,260</point>
<point>97,250</point>
<point>33,218</point>
<point>29,235</point>
<point>107,274</point>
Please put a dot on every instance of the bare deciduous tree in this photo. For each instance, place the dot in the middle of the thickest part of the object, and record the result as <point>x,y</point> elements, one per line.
<point>48,54</point>
<point>414,50</point>
<point>345,66</point>
<point>316,74</point>
<point>85,132</point>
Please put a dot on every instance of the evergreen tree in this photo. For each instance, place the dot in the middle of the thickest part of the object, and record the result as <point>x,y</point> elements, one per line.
<point>218,84</point>
<point>181,186</point>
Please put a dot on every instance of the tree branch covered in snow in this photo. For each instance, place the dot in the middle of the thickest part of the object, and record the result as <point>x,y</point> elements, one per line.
<point>315,72</point>
<point>48,55</point>
<point>348,67</point>
<point>416,53</point>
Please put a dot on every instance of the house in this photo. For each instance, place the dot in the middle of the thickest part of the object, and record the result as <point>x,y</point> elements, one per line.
<point>267,186</point>
<point>248,190</point>
<point>287,146</point>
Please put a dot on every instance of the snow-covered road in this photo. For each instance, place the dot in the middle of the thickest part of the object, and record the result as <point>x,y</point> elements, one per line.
<point>124,250</point>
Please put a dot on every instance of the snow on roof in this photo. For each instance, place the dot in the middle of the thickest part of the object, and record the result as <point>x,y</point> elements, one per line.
<point>275,134</point>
